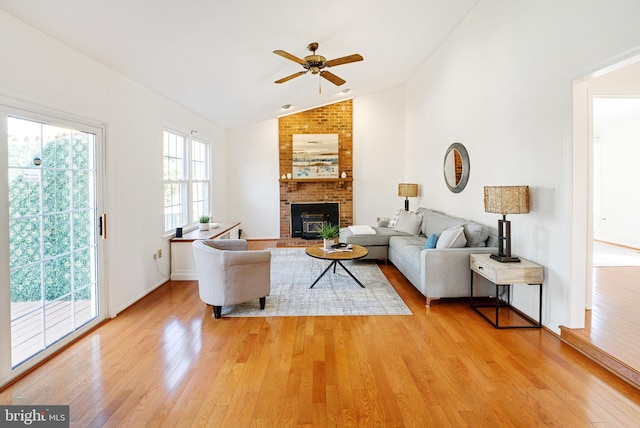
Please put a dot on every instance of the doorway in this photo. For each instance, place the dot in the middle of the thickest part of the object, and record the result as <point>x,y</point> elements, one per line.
<point>602,198</point>
<point>54,235</point>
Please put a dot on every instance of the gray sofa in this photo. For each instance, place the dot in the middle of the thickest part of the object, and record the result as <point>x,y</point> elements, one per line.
<point>435,272</point>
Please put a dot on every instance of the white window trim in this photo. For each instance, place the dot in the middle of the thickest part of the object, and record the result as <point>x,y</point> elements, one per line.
<point>188,179</point>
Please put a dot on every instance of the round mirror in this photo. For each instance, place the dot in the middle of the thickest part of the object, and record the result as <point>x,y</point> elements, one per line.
<point>456,167</point>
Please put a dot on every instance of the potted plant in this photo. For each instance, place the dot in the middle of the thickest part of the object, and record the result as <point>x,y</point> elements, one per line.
<point>204,222</point>
<point>329,233</point>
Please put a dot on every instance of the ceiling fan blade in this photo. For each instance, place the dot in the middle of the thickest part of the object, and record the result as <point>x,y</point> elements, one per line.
<point>294,75</point>
<point>344,60</point>
<point>287,55</point>
<point>332,78</point>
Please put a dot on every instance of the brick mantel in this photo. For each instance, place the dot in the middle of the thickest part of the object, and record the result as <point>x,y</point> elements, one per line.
<point>331,119</point>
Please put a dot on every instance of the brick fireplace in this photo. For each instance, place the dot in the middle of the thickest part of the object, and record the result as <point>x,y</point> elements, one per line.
<point>331,119</point>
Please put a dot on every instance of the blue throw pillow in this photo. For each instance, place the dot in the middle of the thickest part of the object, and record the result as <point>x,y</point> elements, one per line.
<point>432,241</point>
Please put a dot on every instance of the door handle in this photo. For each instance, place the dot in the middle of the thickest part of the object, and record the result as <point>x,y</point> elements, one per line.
<point>102,226</point>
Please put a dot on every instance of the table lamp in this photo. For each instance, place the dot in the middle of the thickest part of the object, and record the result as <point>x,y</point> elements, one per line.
<point>505,200</point>
<point>407,191</point>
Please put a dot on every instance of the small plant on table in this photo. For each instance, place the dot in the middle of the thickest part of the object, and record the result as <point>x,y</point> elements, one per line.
<point>329,233</point>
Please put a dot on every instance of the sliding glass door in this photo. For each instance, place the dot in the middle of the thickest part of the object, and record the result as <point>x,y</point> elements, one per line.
<point>54,229</point>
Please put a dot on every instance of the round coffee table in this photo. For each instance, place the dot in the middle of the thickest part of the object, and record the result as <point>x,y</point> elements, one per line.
<point>356,252</point>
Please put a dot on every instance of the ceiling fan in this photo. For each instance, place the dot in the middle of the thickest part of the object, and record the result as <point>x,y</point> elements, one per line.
<point>316,64</point>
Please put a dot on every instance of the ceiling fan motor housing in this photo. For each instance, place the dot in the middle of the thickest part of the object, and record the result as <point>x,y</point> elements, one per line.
<point>314,63</point>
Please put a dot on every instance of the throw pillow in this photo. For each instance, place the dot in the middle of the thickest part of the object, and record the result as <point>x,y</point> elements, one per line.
<point>408,222</point>
<point>394,220</point>
<point>476,234</point>
<point>432,241</point>
<point>452,238</point>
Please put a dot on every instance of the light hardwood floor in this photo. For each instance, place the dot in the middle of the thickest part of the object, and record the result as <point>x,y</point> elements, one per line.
<point>610,335</point>
<point>612,324</point>
<point>166,362</point>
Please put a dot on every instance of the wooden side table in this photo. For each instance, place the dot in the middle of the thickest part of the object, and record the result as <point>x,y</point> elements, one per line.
<point>503,275</point>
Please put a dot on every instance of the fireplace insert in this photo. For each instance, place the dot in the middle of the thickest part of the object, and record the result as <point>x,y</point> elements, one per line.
<point>311,222</point>
<point>330,208</point>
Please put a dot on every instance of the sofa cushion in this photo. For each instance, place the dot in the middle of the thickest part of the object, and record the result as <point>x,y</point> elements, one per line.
<point>362,230</point>
<point>476,234</point>
<point>436,222</point>
<point>380,238</point>
<point>432,241</point>
<point>408,251</point>
<point>409,222</point>
<point>452,238</point>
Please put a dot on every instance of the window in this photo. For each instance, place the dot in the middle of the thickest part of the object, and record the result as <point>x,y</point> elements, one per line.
<point>186,180</point>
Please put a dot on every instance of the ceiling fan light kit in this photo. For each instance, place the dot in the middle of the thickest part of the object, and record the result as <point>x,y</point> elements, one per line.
<point>316,64</point>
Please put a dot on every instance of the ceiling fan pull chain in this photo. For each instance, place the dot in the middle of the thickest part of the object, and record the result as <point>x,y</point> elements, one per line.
<point>319,84</point>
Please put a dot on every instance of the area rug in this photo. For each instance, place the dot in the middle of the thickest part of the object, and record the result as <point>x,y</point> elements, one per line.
<point>293,272</point>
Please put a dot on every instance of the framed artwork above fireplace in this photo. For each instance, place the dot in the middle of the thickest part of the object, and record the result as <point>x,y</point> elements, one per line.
<point>315,156</point>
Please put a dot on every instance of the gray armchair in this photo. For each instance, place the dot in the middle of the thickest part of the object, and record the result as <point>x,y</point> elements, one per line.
<point>229,274</point>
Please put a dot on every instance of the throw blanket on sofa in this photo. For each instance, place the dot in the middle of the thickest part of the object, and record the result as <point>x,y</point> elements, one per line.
<point>362,230</point>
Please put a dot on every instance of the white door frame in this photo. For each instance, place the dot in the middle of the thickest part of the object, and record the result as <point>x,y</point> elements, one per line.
<point>18,108</point>
<point>582,187</point>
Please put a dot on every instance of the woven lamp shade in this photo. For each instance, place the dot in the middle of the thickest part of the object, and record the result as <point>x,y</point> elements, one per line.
<point>407,190</point>
<point>506,199</point>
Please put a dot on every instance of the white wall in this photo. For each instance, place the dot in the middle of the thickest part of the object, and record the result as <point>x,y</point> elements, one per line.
<point>502,85</point>
<point>254,189</point>
<point>619,139</point>
<point>379,156</point>
<point>42,72</point>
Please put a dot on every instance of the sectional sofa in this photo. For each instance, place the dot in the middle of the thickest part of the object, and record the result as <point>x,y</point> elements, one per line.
<point>430,248</point>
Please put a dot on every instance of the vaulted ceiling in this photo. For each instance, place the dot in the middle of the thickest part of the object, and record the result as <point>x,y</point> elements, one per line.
<point>216,57</point>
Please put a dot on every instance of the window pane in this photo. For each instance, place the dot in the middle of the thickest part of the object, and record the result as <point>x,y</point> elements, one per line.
<point>25,284</point>
<point>82,268</point>
<point>174,156</point>
<point>58,320</point>
<point>82,150</point>
<point>57,277</point>
<point>56,190</point>
<point>55,242</point>
<point>173,206</point>
<point>24,241</point>
<point>24,142</point>
<point>56,151</point>
<point>83,230</point>
<point>200,161</point>
<point>24,192</point>
<point>200,192</point>
<point>82,189</point>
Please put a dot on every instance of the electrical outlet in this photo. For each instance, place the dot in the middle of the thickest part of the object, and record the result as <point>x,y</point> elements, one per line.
<point>155,256</point>
<point>160,253</point>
